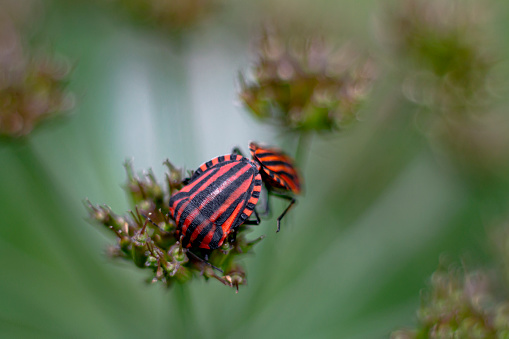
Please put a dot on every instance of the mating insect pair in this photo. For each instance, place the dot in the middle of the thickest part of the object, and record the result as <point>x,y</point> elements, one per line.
<point>223,192</point>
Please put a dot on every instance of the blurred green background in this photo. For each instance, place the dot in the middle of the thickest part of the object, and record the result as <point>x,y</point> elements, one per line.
<point>380,206</point>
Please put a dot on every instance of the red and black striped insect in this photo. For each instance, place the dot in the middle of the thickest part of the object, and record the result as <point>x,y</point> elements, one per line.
<point>278,173</point>
<point>219,197</point>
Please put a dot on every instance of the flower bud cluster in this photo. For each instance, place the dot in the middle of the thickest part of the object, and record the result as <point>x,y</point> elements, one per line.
<point>447,52</point>
<point>459,305</point>
<point>446,59</point>
<point>146,235</point>
<point>170,15</point>
<point>302,83</point>
<point>32,88</point>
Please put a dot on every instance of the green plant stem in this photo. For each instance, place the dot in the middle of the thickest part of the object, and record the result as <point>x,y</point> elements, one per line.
<point>182,114</point>
<point>303,142</point>
<point>174,114</point>
<point>185,311</point>
<point>358,183</point>
<point>270,243</point>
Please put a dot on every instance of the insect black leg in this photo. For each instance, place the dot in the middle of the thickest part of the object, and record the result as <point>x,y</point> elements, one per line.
<point>253,222</point>
<point>233,236</point>
<point>266,212</point>
<point>292,202</point>
<point>148,218</point>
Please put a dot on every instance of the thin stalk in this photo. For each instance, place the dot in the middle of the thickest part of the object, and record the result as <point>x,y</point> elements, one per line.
<point>180,117</point>
<point>301,153</point>
<point>189,326</point>
<point>374,180</point>
<point>175,113</point>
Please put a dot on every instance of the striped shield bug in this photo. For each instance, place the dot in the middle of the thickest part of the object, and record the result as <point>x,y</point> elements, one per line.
<point>219,197</point>
<point>278,173</point>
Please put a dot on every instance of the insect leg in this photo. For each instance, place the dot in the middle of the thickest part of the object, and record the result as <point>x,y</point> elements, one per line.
<point>148,218</point>
<point>233,234</point>
<point>290,205</point>
<point>266,212</point>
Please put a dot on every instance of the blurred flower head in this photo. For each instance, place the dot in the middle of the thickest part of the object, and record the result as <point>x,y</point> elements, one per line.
<point>304,83</point>
<point>169,15</point>
<point>500,238</point>
<point>459,305</point>
<point>146,235</point>
<point>32,87</point>
<point>446,51</point>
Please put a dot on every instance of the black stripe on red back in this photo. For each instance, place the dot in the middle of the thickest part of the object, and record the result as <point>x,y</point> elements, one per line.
<point>194,200</point>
